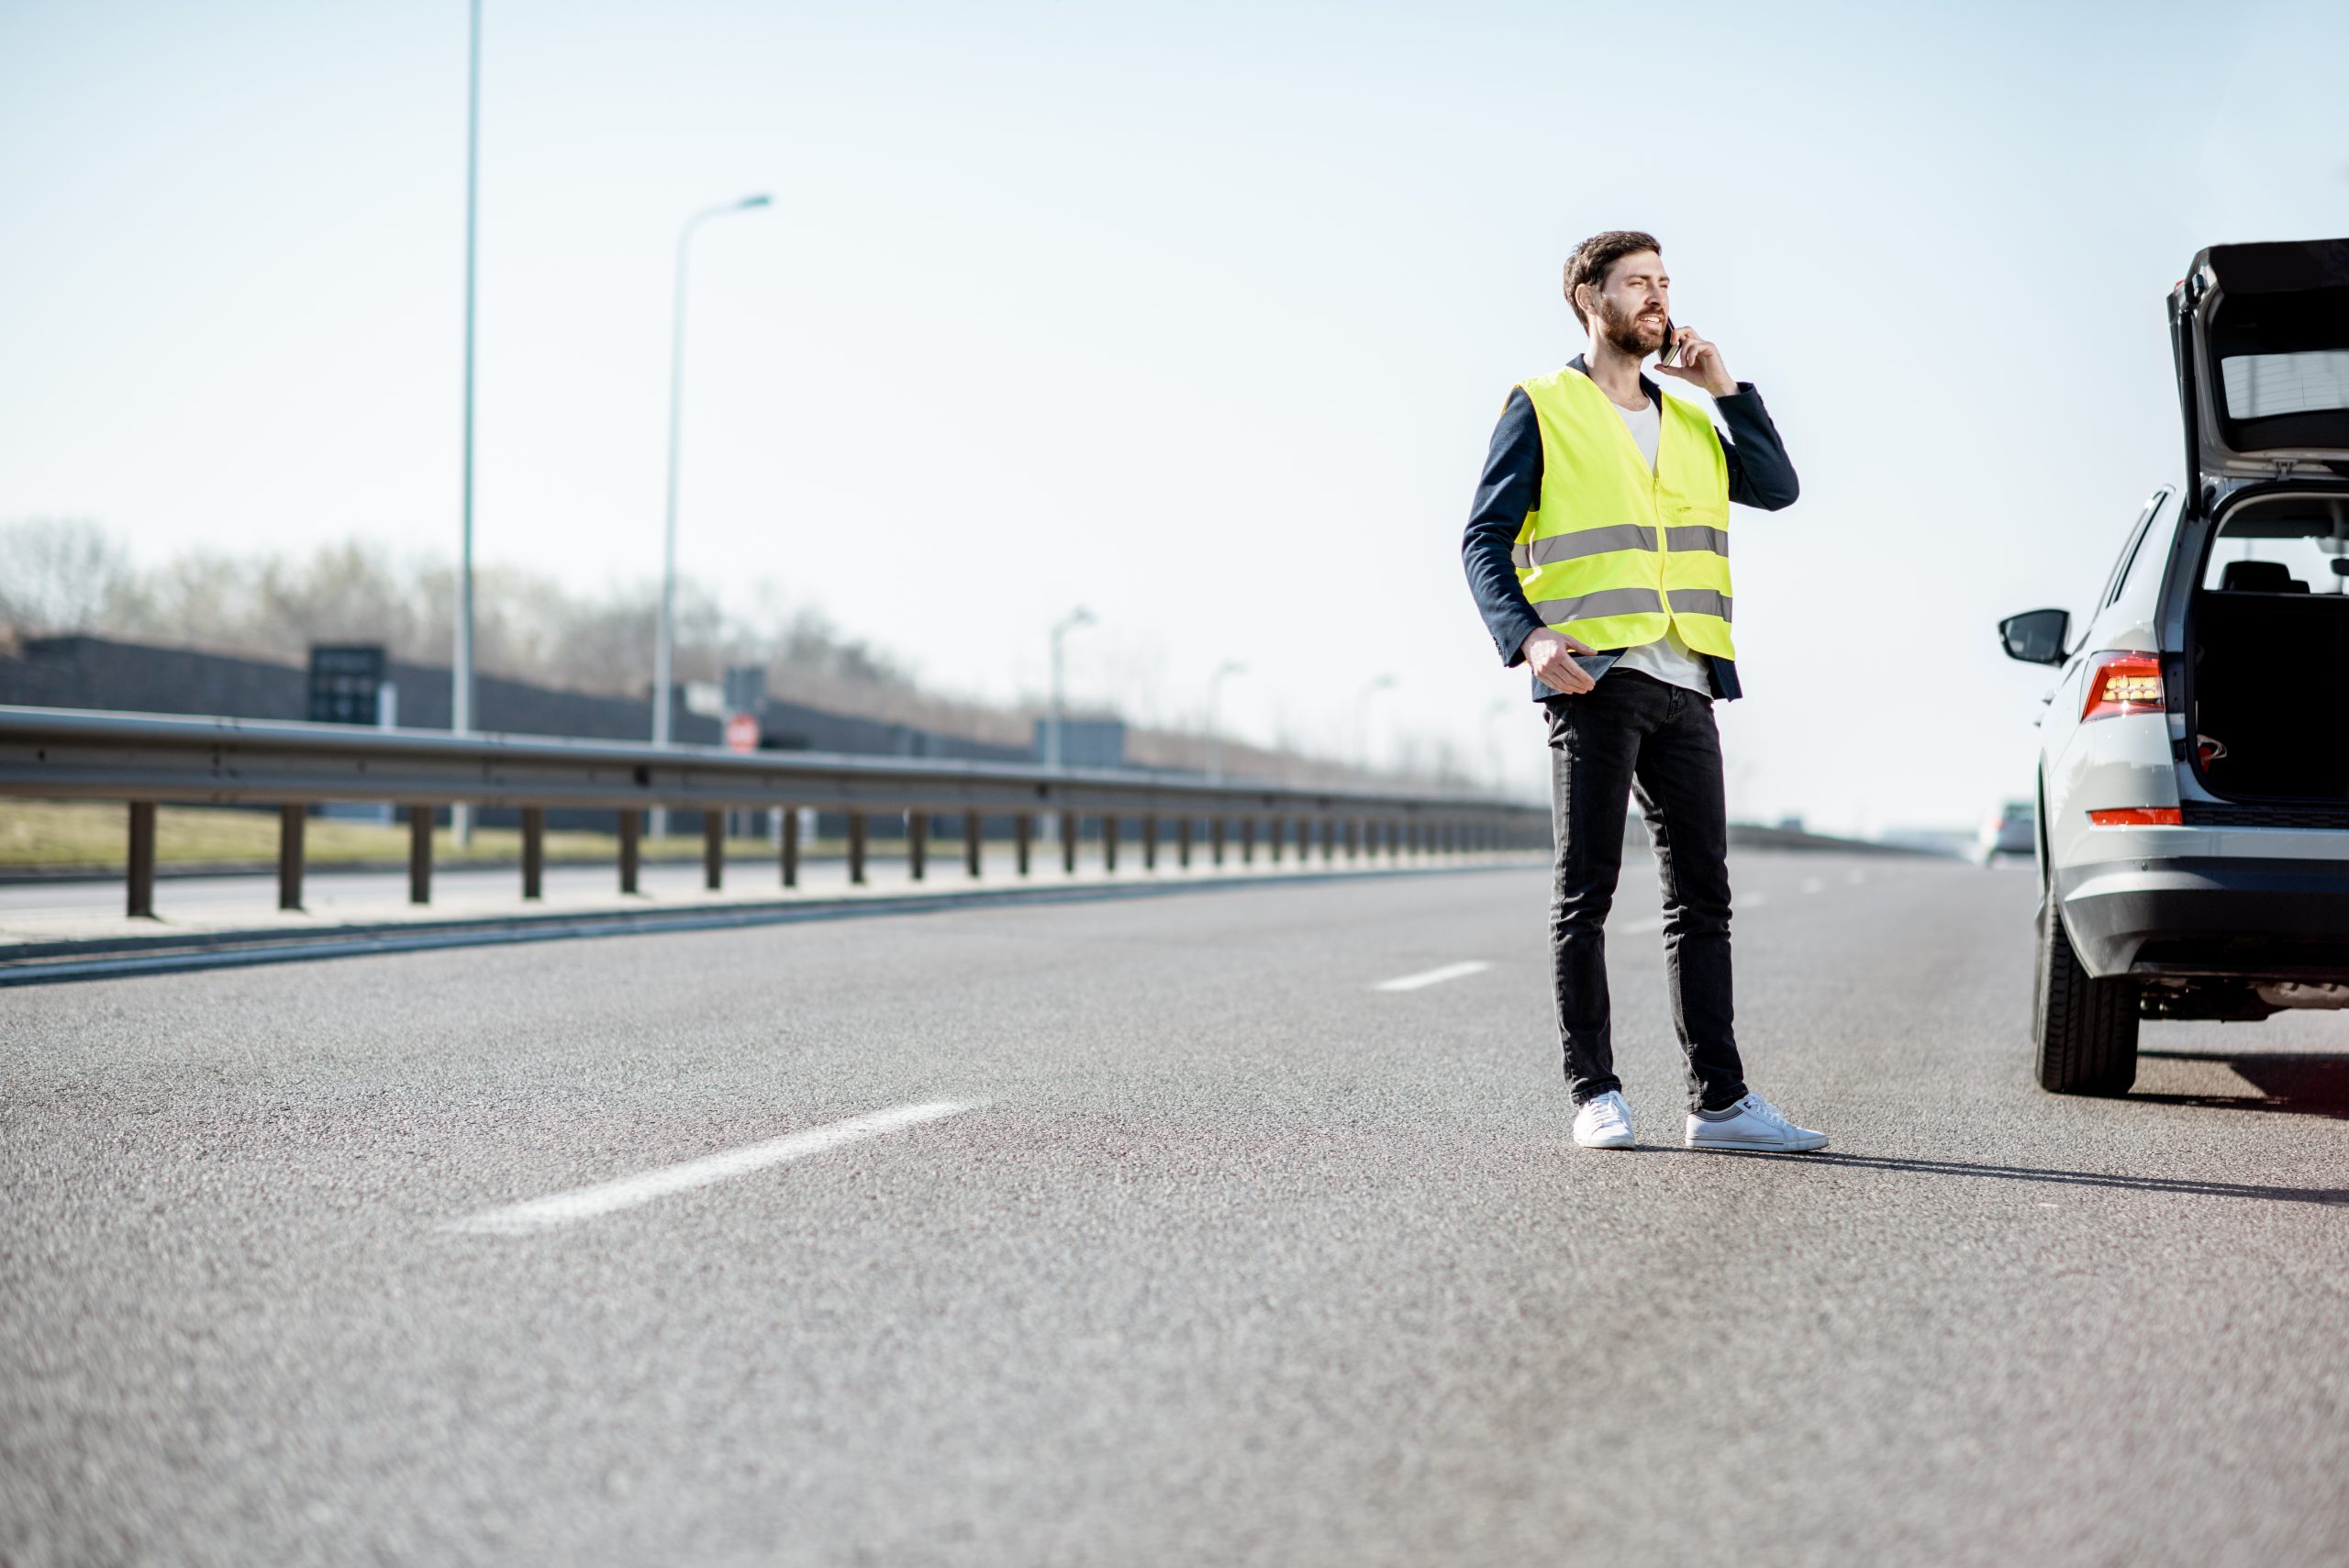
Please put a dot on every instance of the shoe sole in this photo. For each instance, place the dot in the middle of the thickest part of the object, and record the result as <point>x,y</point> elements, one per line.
<point>1626,1142</point>
<point>1747,1146</point>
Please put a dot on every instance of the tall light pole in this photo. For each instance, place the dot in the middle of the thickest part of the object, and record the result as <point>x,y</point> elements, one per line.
<point>1362,720</point>
<point>664,655</point>
<point>1075,619</point>
<point>1215,737</point>
<point>460,695</point>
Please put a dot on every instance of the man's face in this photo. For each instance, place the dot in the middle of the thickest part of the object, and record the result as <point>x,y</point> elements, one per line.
<point>1633,301</point>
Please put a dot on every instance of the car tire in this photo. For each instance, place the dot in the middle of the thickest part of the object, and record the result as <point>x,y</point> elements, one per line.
<point>2086,1029</point>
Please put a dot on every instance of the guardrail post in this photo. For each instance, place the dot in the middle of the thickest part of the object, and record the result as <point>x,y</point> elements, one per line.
<point>713,850</point>
<point>916,843</point>
<point>856,848</point>
<point>140,895</point>
<point>1395,843</point>
<point>1353,839</point>
<point>1150,842</point>
<point>1183,825</point>
<point>534,851</point>
<point>1069,820</point>
<point>787,845</point>
<point>1023,835</point>
<point>1273,838</point>
<point>1329,840</point>
<point>1215,840</point>
<point>632,827</point>
<point>1109,844</point>
<point>420,854</point>
<point>1248,840</point>
<point>973,825</point>
<point>290,822</point>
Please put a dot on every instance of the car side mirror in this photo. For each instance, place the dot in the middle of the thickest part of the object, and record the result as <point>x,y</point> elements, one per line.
<point>2036,636</point>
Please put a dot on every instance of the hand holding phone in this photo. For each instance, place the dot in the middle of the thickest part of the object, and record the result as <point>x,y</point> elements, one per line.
<point>1689,357</point>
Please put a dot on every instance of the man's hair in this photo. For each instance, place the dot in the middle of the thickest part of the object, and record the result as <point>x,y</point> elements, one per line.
<point>1591,258</point>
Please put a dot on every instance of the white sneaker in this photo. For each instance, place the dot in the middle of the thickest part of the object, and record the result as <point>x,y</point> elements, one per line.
<point>1757,1126</point>
<point>1604,1123</point>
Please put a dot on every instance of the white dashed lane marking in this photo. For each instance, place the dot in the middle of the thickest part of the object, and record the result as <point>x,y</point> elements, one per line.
<point>1433,976</point>
<point>586,1203</point>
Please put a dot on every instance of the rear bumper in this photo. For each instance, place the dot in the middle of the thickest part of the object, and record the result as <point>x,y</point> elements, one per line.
<point>2258,919</point>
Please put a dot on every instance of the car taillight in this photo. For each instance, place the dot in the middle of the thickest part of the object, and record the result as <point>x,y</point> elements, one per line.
<point>2123,684</point>
<point>2139,817</point>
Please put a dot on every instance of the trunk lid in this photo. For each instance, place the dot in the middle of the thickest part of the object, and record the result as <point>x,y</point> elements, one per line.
<point>2260,336</point>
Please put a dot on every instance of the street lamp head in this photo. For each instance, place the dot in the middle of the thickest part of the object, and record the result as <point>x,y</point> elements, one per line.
<point>754,201</point>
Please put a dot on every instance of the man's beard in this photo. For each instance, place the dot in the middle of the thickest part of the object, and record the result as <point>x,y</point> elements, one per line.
<point>1623,332</point>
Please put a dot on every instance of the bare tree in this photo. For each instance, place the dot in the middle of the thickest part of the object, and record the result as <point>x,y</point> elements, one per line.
<point>58,574</point>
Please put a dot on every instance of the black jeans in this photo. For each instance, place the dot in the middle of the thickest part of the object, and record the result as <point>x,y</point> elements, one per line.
<point>1633,734</point>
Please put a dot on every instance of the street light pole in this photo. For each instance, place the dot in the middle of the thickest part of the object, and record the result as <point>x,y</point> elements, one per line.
<point>664,653</point>
<point>1362,720</point>
<point>1075,619</point>
<point>460,695</point>
<point>1215,737</point>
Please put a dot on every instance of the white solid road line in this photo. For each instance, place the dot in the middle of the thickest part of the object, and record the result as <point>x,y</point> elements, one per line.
<point>586,1203</point>
<point>1433,976</point>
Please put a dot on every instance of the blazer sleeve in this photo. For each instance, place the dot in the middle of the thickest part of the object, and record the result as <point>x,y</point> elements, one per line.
<point>1760,473</point>
<point>1509,487</point>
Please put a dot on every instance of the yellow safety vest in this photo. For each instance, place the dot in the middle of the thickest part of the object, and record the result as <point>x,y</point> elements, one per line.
<point>1615,552</point>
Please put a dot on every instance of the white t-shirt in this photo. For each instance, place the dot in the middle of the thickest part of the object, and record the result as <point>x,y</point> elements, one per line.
<point>1669,659</point>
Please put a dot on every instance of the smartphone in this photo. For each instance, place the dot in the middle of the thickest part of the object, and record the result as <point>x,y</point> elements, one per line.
<point>1666,354</point>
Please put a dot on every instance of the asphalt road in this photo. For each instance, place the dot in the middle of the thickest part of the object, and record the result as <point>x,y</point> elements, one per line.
<point>1231,1257</point>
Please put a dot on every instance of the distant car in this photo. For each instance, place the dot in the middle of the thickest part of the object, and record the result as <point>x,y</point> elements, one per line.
<point>2193,838</point>
<point>2013,830</point>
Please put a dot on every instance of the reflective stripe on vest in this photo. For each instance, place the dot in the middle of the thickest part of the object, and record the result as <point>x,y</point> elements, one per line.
<point>1616,552</point>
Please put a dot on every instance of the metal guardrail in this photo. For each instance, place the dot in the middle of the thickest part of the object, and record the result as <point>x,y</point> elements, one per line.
<point>147,758</point>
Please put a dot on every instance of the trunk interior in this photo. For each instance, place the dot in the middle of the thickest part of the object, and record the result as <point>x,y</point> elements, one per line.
<point>2269,637</point>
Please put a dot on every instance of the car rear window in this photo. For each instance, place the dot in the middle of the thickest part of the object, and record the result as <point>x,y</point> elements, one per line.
<point>2260,386</point>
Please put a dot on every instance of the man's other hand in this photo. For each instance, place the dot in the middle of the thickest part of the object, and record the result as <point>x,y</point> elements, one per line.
<point>1552,655</point>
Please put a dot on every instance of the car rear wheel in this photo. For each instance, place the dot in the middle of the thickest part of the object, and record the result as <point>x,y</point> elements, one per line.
<point>2085,1028</point>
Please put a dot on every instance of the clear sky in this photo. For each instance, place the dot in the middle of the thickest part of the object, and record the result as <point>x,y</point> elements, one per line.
<point>1197,315</point>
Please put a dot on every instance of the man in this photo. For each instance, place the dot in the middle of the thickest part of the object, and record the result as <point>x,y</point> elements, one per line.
<point>1598,553</point>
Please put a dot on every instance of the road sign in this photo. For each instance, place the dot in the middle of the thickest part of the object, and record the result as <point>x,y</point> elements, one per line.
<point>346,680</point>
<point>742,733</point>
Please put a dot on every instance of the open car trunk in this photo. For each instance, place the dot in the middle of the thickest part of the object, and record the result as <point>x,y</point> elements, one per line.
<point>2261,341</point>
<point>2268,641</point>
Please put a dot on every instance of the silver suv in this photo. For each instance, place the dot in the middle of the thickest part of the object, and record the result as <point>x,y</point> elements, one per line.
<point>2193,773</point>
